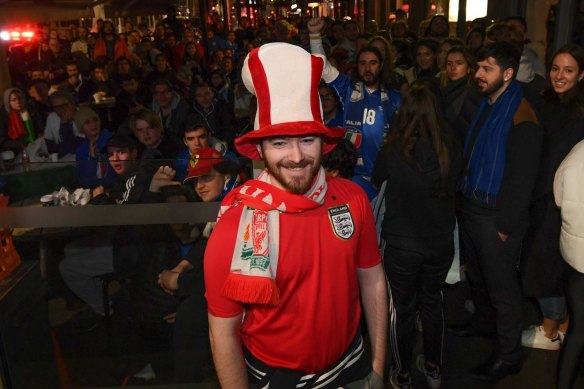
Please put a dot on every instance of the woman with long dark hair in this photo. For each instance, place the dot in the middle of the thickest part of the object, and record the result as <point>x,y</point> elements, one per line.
<point>420,163</point>
<point>542,268</point>
<point>426,62</point>
<point>109,44</point>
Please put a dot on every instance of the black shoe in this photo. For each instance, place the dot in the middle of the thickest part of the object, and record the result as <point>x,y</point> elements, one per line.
<point>472,330</point>
<point>494,371</point>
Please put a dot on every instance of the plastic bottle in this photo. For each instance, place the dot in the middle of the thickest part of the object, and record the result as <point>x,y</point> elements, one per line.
<point>25,160</point>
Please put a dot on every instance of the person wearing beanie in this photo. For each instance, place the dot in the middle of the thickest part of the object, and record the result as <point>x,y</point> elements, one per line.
<point>92,165</point>
<point>293,249</point>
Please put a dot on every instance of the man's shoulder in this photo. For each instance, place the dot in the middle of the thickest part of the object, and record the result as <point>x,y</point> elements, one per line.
<point>225,227</point>
<point>345,190</point>
<point>525,113</point>
<point>393,97</point>
<point>184,153</point>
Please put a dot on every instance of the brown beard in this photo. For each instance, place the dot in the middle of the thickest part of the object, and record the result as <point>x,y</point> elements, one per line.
<point>493,87</point>
<point>296,185</point>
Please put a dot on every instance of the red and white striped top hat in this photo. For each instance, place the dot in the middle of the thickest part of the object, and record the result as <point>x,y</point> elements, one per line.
<point>285,79</point>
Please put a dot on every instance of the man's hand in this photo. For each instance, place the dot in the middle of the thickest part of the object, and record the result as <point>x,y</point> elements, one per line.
<point>315,25</point>
<point>170,318</point>
<point>168,281</point>
<point>372,381</point>
<point>97,191</point>
<point>183,265</point>
<point>163,177</point>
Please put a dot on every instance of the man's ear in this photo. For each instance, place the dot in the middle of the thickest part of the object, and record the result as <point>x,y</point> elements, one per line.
<point>508,74</point>
<point>259,148</point>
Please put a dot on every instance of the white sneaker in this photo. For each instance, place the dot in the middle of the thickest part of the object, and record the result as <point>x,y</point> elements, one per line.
<point>534,337</point>
<point>433,377</point>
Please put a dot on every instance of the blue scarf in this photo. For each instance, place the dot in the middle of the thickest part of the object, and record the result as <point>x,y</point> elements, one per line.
<point>488,156</point>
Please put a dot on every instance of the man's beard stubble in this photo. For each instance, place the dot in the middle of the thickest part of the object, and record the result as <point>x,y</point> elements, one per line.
<point>490,89</point>
<point>296,185</point>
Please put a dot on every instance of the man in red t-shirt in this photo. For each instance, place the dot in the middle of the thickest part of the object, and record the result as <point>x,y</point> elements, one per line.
<point>294,252</point>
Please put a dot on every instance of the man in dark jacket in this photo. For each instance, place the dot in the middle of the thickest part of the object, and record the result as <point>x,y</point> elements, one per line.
<point>99,84</point>
<point>170,107</point>
<point>501,149</point>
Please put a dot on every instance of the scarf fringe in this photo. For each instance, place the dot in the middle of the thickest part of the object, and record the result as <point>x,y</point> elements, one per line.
<point>251,289</point>
<point>470,192</point>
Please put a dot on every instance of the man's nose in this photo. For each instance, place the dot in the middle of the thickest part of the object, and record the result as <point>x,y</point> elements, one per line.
<point>295,154</point>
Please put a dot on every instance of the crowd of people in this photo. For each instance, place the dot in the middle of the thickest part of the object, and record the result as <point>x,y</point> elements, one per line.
<point>443,131</point>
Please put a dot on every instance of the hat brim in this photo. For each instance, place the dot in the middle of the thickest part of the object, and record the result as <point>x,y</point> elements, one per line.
<point>246,144</point>
<point>205,166</point>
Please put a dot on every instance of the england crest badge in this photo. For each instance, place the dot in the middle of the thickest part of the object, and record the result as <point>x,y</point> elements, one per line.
<point>342,221</point>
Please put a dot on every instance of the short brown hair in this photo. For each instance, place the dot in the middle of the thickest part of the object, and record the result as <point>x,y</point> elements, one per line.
<point>149,117</point>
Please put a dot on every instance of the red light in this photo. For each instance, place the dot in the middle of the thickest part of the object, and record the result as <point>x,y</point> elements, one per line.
<point>17,34</point>
<point>433,7</point>
<point>406,7</point>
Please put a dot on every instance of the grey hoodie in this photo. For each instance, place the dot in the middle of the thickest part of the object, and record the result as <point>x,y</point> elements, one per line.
<point>7,94</point>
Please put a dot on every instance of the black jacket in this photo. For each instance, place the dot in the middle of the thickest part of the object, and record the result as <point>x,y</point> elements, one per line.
<point>524,145</point>
<point>415,205</point>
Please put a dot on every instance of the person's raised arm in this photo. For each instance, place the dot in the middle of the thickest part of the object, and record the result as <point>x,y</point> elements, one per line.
<point>374,296</point>
<point>315,26</point>
<point>227,353</point>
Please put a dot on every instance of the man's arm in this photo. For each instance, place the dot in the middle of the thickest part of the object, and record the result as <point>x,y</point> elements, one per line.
<point>315,26</point>
<point>374,296</point>
<point>523,155</point>
<point>227,352</point>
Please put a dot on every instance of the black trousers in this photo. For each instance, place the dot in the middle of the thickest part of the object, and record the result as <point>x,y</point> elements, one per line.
<point>416,269</point>
<point>492,272</point>
<point>192,350</point>
<point>573,347</point>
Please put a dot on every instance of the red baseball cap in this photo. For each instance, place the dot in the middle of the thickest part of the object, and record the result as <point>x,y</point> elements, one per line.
<point>202,163</point>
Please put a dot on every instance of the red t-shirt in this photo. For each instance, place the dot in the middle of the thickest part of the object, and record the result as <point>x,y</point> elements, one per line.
<point>319,310</point>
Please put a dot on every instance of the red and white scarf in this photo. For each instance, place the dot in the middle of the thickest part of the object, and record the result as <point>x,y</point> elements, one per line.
<point>254,264</point>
